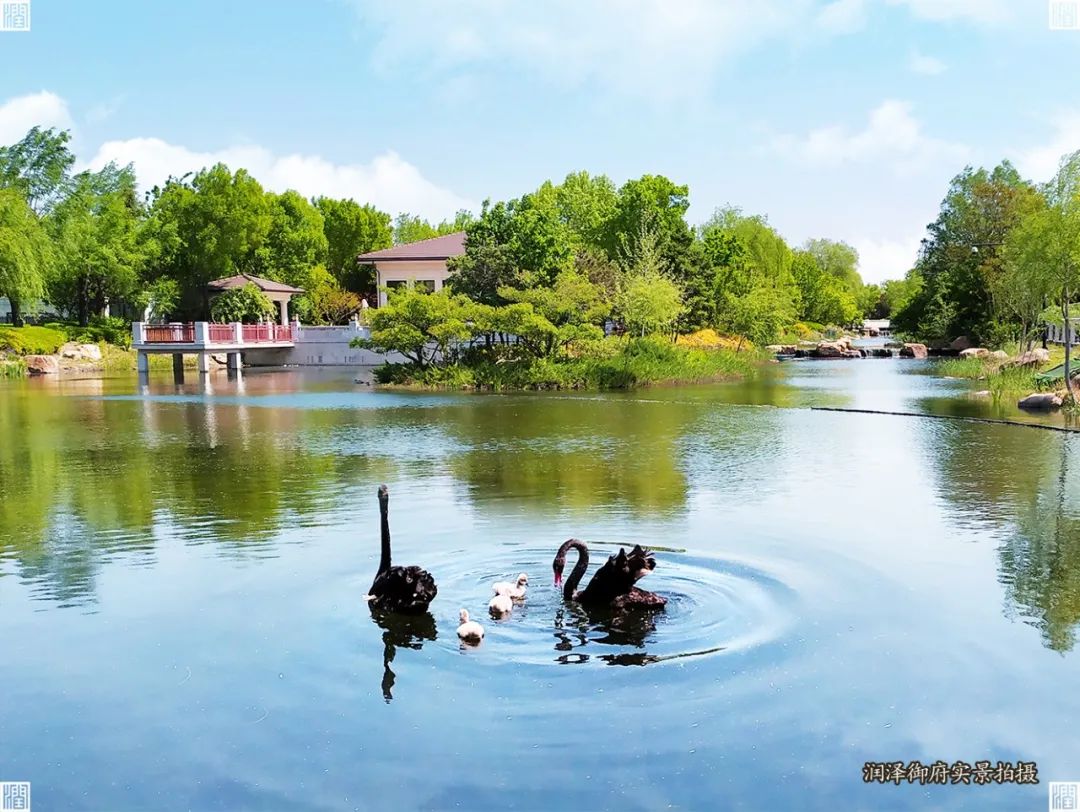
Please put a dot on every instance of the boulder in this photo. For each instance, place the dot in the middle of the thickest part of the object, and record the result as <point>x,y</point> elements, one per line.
<point>999,355</point>
<point>836,349</point>
<point>882,352</point>
<point>830,349</point>
<point>975,352</point>
<point>42,364</point>
<point>1031,358</point>
<point>81,352</point>
<point>960,343</point>
<point>913,351</point>
<point>1040,401</point>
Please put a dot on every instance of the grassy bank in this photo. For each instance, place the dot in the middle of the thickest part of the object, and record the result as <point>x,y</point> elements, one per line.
<point>611,364</point>
<point>1001,381</point>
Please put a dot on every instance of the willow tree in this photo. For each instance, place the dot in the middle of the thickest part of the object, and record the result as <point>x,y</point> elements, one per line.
<point>25,255</point>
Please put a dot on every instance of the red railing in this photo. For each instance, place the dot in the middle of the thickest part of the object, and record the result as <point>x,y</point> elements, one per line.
<point>170,333</point>
<point>222,334</point>
<point>267,333</point>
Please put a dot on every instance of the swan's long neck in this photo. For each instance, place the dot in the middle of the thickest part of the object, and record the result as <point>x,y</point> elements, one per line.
<point>578,572</point>
<point>384,560</point>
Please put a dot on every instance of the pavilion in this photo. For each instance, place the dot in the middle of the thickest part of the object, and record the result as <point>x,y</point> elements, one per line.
<point>274,291</point>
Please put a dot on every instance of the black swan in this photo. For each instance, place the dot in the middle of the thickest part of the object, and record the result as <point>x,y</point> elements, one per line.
<point>613,584</point>
<point>406,590</point>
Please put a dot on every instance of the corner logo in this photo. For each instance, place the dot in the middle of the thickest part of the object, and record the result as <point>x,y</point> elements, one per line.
<point>1064,795</point>
<point>14,796</point>
<point>15,15</point>
<point>1065,15</point>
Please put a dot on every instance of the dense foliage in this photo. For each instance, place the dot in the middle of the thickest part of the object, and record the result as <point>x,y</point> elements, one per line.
<point>247,304</point>
<point>84,242</point>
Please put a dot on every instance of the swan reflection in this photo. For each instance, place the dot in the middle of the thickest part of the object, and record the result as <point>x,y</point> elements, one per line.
<point>404,631</point>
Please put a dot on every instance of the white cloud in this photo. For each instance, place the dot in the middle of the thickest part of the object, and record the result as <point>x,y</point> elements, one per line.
<point>43,109</point>
<point>926,65</point>
<point>387,181</point>
<point>653,48</point>
<point>1041,162</point>
<point>892,135</point>
<point>842,16</point>
<point>886,259</point>
<point>978,11</point>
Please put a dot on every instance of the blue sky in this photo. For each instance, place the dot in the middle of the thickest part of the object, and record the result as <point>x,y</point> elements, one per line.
<point>835,118</point>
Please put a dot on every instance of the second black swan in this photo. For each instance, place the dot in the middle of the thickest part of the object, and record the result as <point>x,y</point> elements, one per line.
<point>613,584</point>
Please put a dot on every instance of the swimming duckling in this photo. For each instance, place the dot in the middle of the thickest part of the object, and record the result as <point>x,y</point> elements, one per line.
<point>501,605</point>
<point>515,591</point>
<point>470,631</point>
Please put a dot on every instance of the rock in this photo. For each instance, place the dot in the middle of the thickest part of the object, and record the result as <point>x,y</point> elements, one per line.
<point>830,349</point>
<point>1031,358</point>
<point>835,349</point>
<point>913,351</point>
<point>81,352</point>
<point>42,364</point>
<point>881,352</point>
<point>999,355</point>
<point>975,352</point>
<point>1040,401</point>
<point>960,343</point>
<point>982,393</point>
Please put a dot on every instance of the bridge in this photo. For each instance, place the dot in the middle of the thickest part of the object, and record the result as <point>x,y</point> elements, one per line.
<point>203,339</point>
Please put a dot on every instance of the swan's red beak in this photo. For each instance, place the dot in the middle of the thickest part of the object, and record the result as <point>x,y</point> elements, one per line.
<point>558,579</point>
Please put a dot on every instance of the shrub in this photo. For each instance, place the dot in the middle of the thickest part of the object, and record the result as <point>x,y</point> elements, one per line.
<point>247,304</point>
<point>31,340</point>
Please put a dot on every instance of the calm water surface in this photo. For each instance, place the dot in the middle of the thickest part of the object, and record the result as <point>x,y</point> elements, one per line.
<point>182,572</point>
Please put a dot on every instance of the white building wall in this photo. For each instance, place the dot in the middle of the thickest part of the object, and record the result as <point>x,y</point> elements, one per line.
<point>324,347</point>
<point>410,272</point>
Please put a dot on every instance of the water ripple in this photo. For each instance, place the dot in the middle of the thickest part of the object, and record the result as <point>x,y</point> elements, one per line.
<point>715,606</point>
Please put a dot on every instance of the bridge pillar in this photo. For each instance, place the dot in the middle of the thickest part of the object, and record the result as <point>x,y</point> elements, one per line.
<point>142,362</point>
<point>234,360</point>
<point>204,362</point>
<point>178,367</point>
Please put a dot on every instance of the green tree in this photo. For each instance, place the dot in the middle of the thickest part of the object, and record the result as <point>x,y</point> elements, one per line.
<point>655,202</point>
<point>568,311</point>
<point>99,253</point>
<point>962,253</point>
<point>823,297</point>
<point>325,301</point>
<point>649,300</point>
<point>25,252</point>
<point>410,228</point>
<point>423,327</point>
<point>208,227</point>
<point>294,242</point>
<point>351,230</point>
<point>39,166</point>
<point>247,304</point>
<point>1044,247</point>
<point>837,259</point>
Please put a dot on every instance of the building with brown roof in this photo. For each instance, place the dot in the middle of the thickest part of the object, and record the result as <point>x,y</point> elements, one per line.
<point>417,263</point>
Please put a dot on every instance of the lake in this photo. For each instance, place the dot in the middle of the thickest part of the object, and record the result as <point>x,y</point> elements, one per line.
<point>182,572</point>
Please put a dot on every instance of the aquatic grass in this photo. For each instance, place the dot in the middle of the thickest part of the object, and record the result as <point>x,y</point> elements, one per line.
<point>13,368</point>
<point>971,368</point>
